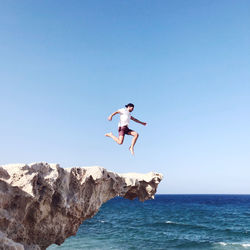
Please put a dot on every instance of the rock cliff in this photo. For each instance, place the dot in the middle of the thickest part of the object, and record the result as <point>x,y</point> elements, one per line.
<point>42,204</point>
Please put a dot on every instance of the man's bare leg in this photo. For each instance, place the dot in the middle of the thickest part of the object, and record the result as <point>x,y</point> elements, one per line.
<point>135,137</point>
<point>119,140</point>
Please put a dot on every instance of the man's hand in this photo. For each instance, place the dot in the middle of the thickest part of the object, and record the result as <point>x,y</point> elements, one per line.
<point>110,117</point>
<point>144,123</point>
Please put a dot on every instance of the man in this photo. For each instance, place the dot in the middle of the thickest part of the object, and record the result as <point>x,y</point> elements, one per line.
<point>123,129</point>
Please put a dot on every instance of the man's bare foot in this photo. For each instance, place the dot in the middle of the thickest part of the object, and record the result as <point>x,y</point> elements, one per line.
<point>108,134</point>
<point>131,150</point>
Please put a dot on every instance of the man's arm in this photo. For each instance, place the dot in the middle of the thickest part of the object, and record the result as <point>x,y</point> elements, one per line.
<point>115,113</point>
<point>135,120</point>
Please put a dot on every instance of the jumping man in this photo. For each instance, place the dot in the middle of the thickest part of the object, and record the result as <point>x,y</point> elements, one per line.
<point>123,129</point>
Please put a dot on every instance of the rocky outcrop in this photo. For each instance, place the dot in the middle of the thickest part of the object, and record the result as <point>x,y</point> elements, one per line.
<point>8,244</point>
<point>42,204</point>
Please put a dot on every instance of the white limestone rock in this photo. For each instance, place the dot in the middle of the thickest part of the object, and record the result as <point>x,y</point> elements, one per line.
<point>42,204</point>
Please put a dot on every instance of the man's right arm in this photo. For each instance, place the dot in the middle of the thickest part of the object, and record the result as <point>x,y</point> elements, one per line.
<point>115,113</point>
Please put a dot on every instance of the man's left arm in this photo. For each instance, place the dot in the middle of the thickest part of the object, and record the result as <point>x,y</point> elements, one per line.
<point>135,120</point>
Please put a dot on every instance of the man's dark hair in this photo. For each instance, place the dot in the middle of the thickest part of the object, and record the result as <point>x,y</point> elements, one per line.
<point>130,105</point>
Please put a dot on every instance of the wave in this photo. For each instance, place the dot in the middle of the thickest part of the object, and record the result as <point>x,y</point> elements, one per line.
<point>197,226</point>
<point>170,222</point>
<point>187,225</point>
<point>208,244</point>
<point>183,224</point>
<point>245,245</point>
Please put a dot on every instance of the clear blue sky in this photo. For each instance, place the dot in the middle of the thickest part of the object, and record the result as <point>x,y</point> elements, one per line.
<point>66,65</point>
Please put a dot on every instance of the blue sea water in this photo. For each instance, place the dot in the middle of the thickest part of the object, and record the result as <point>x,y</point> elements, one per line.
<point>167,222</point>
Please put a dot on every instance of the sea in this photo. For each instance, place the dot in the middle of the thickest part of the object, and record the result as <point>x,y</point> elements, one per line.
<point>167,222</point>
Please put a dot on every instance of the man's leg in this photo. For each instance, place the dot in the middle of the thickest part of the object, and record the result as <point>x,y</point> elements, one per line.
<point>119,140</point>
<point>135,137</point>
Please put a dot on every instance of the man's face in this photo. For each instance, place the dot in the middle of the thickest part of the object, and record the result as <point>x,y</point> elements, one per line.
<point>130,109</point>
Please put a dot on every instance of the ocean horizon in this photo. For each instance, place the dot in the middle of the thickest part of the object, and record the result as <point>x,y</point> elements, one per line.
<point>170,221</point>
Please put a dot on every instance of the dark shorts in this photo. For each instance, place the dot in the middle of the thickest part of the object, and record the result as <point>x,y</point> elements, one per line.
<point>124,130</point>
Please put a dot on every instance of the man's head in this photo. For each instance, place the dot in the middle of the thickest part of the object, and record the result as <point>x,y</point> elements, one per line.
<point>130,107</point>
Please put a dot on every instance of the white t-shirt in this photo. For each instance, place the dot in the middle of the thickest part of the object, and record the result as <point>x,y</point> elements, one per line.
<point>124,117</point>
